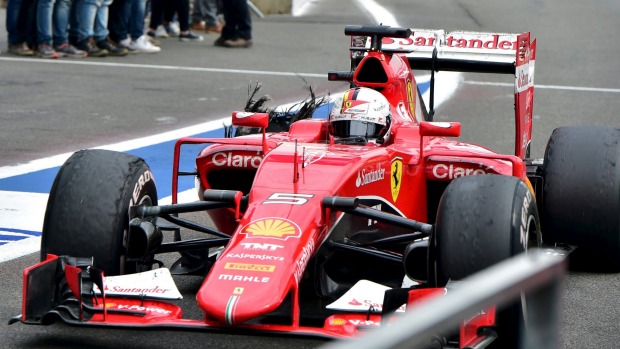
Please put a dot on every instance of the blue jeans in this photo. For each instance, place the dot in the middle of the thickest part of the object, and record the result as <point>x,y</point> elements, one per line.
<point>12,15</point>
<point>205,10</point>
<point>89,18</point>
<point>52,20</point>
<point>134,12</point>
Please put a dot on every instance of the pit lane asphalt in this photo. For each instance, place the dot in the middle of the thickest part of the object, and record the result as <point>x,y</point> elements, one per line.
<point>49,108</point>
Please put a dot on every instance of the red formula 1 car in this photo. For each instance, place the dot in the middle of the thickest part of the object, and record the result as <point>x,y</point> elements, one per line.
<point>326,228</point>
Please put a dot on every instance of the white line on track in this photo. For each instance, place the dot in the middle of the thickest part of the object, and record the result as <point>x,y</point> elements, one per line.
<point>164,67</point>
<point>57,160</point>
<point>19,248</point>
<point>547,87</point>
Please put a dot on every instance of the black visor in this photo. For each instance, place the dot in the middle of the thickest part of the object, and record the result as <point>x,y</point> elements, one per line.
<point>348,128</point>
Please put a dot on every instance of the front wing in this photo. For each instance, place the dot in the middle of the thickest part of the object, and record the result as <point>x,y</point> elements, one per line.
<point>61,289</point>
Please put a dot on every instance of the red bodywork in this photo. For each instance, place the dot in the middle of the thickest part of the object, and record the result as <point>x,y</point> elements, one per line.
<point>287,175</point>
<point>303,166</point>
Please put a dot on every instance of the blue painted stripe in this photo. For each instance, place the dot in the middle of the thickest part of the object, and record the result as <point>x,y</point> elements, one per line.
<point>21,231</point>
<point>6,238</point>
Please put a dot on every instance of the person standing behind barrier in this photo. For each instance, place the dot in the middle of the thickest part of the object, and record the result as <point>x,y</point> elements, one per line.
<point>181,8</point>
<point>89,28</point>
<point>137,40</point>
<point>117,25</point>
<point>237,31</point>
<point>17,28</point>
<point>204,16</point>
<point>52,22</point>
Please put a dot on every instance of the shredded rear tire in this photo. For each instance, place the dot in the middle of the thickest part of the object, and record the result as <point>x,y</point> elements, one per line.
<point>581,197</point>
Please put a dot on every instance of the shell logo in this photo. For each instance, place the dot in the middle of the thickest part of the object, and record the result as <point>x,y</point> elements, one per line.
<point>337,322</point>
<point>272,228</point>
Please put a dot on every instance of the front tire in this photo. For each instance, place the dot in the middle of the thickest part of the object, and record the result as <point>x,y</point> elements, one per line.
<point>483,220</point>
<point>87,210</point>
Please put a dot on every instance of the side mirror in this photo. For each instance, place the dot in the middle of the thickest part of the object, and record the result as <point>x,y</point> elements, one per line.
<point>240,118</point>
<point>447,129</point>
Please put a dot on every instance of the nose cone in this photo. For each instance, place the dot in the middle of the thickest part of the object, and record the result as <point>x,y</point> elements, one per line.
<point>233,299</point>
<point>253,277</point>
<point>262,263</point>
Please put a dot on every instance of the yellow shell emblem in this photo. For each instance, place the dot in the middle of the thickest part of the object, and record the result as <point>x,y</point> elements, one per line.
<point>271,228</point>
<point>337,322</point>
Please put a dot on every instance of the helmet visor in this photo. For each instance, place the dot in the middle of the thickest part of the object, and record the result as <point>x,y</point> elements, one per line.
<point>354,128</point>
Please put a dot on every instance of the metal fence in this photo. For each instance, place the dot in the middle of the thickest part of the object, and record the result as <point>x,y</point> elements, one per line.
<point>538,275</point>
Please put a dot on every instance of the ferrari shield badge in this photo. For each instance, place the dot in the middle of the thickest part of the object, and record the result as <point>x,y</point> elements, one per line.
<point>397,174</point>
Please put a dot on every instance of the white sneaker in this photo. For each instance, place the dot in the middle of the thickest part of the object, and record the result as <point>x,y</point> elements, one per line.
<point>172,29</point>
<point>161,32</point>
<point>142,44</point>
<point>125,42</point>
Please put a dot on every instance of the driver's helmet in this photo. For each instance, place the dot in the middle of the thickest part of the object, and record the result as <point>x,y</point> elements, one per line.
<point>360,112</point>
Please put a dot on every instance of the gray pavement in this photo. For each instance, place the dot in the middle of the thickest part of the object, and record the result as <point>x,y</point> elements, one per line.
<point>56,106</point>
<point>48,108</point>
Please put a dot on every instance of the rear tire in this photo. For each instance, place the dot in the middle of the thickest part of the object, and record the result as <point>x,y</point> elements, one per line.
<point>483,220</point>
<point>581,195</point>
<point>87,210</point>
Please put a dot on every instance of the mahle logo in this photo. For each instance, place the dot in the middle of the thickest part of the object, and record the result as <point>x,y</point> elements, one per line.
<point>272,228</point>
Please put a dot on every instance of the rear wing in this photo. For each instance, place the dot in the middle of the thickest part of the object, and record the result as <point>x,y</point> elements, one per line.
<point>460,51</point>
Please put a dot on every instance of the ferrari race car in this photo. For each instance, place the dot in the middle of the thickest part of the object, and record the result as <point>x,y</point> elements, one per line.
<point>333,226</point>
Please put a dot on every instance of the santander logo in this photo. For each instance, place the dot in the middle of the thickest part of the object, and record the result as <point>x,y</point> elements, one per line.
<point>355,302</point>
<point>372,176</point>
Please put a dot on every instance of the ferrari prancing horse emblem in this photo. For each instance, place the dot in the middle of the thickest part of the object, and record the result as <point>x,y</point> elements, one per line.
<point>395,178</point>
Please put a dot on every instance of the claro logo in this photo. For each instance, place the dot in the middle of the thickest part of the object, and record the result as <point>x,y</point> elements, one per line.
<point>229,159</point>
<point>443,171</point>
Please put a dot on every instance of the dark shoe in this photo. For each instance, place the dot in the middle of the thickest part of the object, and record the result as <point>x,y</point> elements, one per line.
<point>112,48</point>
<point>46,51</point>
<point>189,36</point>
<point>21,49</point>
<point>238,42</point>
<point>219,42</point>
<point>89,46</point>
<point>67,50</point>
